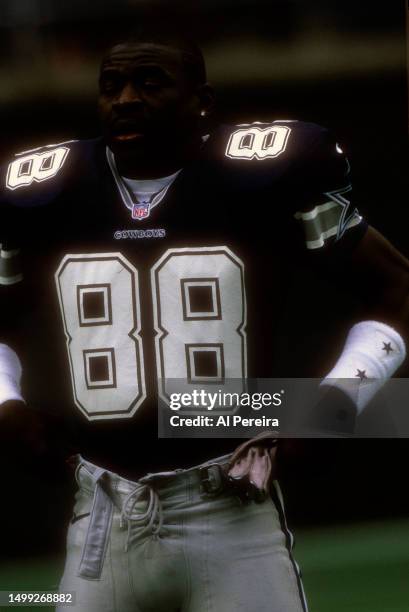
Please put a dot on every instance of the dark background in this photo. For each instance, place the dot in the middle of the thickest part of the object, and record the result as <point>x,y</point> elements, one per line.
<point>337,63</point>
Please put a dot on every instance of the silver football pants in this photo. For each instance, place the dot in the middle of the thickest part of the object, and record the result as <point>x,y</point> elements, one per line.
<point>163,545</point>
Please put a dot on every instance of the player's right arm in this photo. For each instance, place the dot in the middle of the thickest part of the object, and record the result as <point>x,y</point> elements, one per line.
<point>22,431</point>
<point>25,432</point>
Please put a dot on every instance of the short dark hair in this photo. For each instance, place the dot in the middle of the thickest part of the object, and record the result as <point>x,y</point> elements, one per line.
<point>192,56</point>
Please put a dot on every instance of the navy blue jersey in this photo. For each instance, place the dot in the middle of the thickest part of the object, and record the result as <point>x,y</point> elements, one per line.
<point>105,298</point>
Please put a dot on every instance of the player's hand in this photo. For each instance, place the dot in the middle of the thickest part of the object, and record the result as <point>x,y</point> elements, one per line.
<point>251,468</point>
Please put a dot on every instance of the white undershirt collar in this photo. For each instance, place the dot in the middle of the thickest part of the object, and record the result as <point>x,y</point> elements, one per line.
<point>140,196</point>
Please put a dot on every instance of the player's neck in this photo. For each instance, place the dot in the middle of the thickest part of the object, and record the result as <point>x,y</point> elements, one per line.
<point>141,172</point>
<point>145,167</point>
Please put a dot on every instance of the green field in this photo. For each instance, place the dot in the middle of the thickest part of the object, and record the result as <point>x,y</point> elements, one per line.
<point>359,568</point>
<point>354,568</point>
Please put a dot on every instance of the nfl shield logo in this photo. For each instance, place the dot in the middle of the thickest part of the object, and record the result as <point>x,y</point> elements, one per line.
<point>140,211</point>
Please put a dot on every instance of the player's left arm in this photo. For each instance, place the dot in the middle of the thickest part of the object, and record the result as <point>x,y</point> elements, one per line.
<point>334,232</point>
<point>336,237</point>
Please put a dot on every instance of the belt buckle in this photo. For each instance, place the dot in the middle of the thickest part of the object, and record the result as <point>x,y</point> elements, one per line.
<point>211,479</point>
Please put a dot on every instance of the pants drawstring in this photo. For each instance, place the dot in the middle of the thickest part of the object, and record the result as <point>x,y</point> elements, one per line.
<point>153,516</point>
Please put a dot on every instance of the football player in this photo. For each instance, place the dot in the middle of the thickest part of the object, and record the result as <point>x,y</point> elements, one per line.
<point>145,255</point>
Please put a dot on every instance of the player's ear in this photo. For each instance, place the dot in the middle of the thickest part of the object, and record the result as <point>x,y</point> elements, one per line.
<point>205,95</point>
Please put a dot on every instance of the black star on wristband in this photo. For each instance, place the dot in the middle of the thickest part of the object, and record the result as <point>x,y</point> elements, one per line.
<point>361,374</point>
<point>387,347</point>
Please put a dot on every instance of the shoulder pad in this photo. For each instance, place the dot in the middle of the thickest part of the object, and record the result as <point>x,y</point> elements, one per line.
<point>40,174</point>
<point>265,141</point>
<point>37,165</point>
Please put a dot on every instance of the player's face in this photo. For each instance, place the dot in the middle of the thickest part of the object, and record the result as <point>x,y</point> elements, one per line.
<point>146,102</point>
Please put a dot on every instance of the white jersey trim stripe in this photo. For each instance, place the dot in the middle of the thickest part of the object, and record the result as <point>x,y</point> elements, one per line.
<point>312,214</point>
<point>319,242</point>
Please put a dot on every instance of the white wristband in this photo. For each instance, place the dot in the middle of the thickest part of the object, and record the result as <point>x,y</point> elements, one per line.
<point>10,375</point>
<point>372,353</point>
